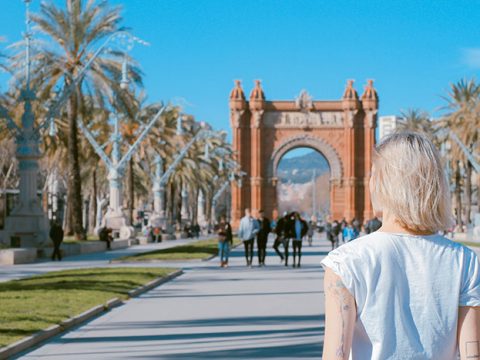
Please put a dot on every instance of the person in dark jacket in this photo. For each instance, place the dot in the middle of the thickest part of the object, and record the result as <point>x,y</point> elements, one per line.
<point>262,237</point>
<point>279,236</point>
<point>373,225</point>
<point>56,234</point>
<point>300,228</point>
<point>289,233</point>
<point>225,240</point>
<point>105,234</point>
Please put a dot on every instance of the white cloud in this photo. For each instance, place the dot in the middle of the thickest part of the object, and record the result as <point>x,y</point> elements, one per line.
<point>471,57</point>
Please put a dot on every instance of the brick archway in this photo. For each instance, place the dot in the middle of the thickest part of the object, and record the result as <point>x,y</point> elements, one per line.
<point>315,143</point>
<point>342,130</point>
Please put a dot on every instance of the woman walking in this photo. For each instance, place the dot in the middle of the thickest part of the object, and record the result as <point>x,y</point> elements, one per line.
<point>224,241</point>
<point>404,292</point>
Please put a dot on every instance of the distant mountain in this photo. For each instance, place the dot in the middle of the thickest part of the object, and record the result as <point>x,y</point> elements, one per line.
<point>299,169</point>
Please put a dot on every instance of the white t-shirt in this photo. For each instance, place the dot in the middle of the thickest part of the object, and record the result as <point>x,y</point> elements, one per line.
<point>407,289</point>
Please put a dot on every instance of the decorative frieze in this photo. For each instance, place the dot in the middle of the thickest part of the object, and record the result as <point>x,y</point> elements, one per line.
<point>302,120</point>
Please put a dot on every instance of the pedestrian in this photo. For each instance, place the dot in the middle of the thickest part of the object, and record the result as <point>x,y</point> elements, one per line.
<point>301,229</point>
<point>247,231</point>
<point>348,233</point>
<point>105,234</point>
<point>404,291</point>
<point>336,230</point>
<point>224,241</point>
<point>289,233</point>
<point>196,230</point>
<point>311,230</point>
<point>56,234</point>
<point>329,233</point>
<point>279,236</point>
<point>157,234</point>
<point>374,224</point>
<point>343,225</point>
<point>262,237</point>
<point>357,226</point>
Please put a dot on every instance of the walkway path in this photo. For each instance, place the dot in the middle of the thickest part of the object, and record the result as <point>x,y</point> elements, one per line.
<point>212,313</point>
<point>99,259</point>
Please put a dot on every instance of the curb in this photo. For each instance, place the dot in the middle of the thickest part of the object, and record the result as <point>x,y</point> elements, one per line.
<point>54,330</point>
<point>210,257</point>
<point>153,284</point>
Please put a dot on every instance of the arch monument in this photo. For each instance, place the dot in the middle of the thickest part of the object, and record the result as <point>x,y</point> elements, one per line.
<point>343,131</point>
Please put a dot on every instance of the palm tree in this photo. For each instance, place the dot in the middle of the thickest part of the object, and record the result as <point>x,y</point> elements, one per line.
<point>463,104</point>
<point>74,31</point>
<point>418,121</point>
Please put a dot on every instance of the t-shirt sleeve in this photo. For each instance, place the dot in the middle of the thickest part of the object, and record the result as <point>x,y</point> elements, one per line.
<point>470,292</point>
<point>341,263</point>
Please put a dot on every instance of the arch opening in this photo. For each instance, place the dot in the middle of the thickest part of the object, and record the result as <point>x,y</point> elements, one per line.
<point>303,182</point>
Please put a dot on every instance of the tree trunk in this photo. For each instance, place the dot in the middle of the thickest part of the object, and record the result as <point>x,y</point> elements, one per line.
<point>93,213</point>
<point>170,197</point>
<point>67,217</point>
<point>130,191</point>
<point>478,193</point>
<point>74,180</point>
<point>468,192</point>
<point>208,207</point>
<point>178,206</point>
<point>458,195</point>
<point>194,203</point>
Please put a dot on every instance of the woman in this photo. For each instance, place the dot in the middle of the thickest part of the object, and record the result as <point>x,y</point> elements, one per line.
<point>404,292</point>
<point>224,240</point>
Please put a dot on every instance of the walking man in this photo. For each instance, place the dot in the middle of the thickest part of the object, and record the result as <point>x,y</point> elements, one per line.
<point>289,233</point>
<point>262,237</point>
<point>56,234</point>
<point>301,229</point>
<point>280,235</point>
<point>247,231</point>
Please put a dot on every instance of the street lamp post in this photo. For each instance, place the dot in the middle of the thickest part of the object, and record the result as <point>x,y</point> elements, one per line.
<point>27,220</point>
<point>115,218</point>
<point>161,177</point>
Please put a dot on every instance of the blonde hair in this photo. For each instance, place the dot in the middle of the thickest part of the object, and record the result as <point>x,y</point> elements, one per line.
<point>408,180</point>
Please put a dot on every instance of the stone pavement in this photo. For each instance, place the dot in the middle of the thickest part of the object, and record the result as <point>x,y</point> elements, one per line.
<point>99,259</point>
<point>212,313</point>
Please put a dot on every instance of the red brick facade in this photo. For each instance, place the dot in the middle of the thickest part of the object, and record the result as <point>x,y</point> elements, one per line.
<point>343,131</point>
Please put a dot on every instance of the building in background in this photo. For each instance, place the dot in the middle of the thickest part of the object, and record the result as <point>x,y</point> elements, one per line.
<point>387,125</point>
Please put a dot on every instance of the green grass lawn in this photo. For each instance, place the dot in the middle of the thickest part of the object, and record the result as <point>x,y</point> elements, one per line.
<point>33,304</point>
<point>201,249</point>
<point>73,240</point>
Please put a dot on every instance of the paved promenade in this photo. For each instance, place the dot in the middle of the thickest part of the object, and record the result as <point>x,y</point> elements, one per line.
<point>212,313</point>
<point>99,259</point>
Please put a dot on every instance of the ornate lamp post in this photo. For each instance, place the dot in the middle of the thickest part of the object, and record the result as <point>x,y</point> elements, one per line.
<point>27,220</point>
<point>116,163</point>
<point>161,177</point>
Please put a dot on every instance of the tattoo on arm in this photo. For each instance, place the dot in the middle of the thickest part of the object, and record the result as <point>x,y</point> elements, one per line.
<point>472,349</point>
<point>340,292</point>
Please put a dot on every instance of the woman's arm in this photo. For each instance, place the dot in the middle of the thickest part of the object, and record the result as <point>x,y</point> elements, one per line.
<point>340,315</point>
<point>469,332</point>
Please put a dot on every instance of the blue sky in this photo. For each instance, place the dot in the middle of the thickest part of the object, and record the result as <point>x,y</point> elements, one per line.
<point>412,49</point>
